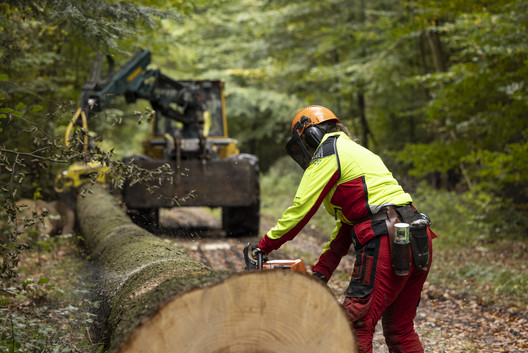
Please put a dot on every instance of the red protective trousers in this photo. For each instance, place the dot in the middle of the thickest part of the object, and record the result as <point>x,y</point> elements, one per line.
<point>393,299</point>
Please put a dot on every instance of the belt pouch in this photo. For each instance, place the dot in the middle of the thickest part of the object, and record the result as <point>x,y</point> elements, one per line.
<point>420,244</point>
<point>391,220</point>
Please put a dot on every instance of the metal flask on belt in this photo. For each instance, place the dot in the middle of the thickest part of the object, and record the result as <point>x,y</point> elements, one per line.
<point>401,255</point>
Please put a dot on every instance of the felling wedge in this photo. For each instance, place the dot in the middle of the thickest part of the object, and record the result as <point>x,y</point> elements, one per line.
<point>259,311</point>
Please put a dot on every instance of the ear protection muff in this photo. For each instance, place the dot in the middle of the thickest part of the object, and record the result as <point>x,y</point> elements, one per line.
<point>312,134</point>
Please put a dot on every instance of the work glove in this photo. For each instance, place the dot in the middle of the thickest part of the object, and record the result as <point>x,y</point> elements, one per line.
<point>255,250</point>
<point>320,276</point>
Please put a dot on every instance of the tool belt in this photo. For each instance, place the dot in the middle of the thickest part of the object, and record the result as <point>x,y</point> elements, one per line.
<point>418,231</point>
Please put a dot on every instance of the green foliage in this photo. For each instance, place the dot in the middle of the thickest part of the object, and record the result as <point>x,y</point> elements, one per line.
<point>44,52</point>
<point>469,219</point>
<point>501,169</point>
<point>278,186</point>
<point>477,109</point>
<point>122,127</point>
<point>502,281</point>
<point>47,48</point>
<point>260,115</point>
<point>488,273</point>
<point>275,52</point>
<point>98,23</point>
<point>437,88</point>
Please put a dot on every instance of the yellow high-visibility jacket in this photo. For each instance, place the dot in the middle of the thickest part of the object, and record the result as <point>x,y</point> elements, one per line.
<point>353,183</point>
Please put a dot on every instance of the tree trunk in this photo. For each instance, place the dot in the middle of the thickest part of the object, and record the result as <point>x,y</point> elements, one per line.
<point>159,299</point>
<point>436,50</point>
<point>363,118</point>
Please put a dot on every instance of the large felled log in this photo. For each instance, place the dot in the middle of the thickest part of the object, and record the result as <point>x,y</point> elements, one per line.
<point>260,312</point>
<point>162,300</point>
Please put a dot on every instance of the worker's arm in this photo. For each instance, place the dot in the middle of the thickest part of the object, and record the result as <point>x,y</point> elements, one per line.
<point>316,183</point>
<point>335,249</point>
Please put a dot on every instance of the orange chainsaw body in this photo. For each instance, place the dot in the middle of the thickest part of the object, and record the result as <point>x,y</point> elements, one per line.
<point>295,265</point>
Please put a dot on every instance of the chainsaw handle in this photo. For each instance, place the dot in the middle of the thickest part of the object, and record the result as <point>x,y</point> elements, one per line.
<point>250,264</point>
<point>259,260</point>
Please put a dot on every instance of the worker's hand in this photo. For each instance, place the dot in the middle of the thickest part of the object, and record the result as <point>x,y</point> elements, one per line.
<point>255,250</point>
<point>320,276</point>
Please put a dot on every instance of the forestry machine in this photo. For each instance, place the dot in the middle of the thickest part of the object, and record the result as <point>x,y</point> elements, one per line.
<point>189,133</point>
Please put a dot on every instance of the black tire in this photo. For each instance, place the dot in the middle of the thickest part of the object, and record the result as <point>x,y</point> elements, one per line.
<point>244,220</point>
<point>241,221</point>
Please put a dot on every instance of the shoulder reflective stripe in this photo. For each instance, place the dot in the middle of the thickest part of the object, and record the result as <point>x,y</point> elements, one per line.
<point>337,157</point>
<point>327,148</point>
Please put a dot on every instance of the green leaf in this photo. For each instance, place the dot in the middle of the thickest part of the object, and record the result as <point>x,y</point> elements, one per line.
<point>4,301</point>
<point>43,280</point>
<point>37,108</point>
<point>4,111</point>
<point>3,77</point>
<point>21,297</point>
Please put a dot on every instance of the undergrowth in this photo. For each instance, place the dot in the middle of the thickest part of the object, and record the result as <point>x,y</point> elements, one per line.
<point>481,247</point>
<point>49,308</point>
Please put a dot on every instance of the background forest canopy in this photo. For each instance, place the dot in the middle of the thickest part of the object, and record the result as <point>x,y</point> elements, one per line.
<point>437,88</point>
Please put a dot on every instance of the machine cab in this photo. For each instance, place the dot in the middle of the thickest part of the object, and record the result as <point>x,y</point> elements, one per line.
<point>200,131</point>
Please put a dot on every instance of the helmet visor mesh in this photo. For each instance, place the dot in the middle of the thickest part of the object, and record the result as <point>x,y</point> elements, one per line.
<point>297,150</point>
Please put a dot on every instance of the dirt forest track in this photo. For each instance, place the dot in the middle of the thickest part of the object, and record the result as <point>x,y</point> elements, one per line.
<point>446,321</point>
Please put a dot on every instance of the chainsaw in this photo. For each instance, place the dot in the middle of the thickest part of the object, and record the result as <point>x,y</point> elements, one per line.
<point>261,264</point>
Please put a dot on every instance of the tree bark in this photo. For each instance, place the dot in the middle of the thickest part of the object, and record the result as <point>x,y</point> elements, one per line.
<point>436,50</point>
<point>159,299</point>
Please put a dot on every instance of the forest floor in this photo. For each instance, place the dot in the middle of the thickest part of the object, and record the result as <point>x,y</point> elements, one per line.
<point>57,313</point>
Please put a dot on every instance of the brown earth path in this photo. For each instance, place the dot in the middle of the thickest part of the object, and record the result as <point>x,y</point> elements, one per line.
<point>446,321</point>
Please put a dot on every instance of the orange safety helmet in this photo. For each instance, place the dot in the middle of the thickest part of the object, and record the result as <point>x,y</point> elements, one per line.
<point>316,115</point>
<point>305,123</point>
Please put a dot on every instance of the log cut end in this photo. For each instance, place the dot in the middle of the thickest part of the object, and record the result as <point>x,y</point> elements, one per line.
<point>258,311</point>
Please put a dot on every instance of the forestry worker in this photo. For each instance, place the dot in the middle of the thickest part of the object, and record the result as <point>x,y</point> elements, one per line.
<point>366,201</point>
